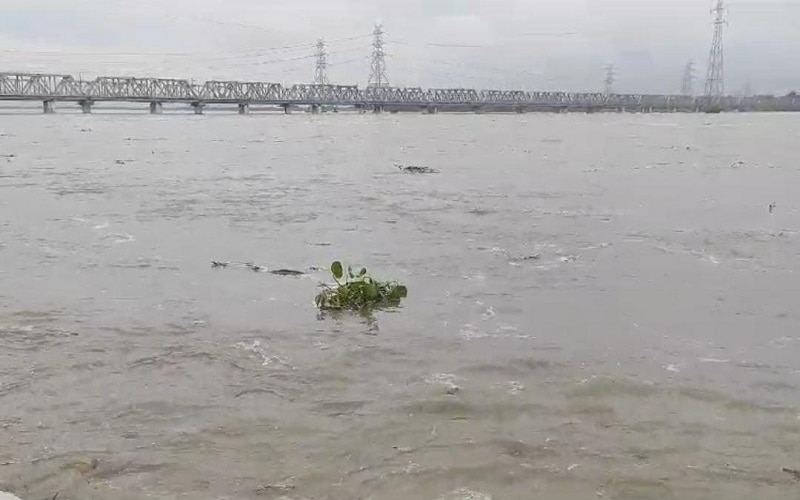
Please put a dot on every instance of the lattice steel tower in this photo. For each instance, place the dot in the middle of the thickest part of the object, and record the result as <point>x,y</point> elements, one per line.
<point>321,73</point>
<point>377,70</point>
<point>715,83</point>
<point>687,82</point>
<point>611,76</point>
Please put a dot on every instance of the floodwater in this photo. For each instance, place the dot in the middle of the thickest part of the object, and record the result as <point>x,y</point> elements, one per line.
<point>601,306</point>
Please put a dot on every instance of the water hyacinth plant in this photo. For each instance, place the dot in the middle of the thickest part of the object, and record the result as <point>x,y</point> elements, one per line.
<point>358,292</point>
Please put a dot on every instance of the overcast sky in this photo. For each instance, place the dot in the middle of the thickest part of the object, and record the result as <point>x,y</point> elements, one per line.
<point>530,44</point>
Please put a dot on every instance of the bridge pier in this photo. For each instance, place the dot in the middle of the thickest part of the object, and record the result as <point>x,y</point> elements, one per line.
<point>377,109</point>
<point>86,106</point>
<point>198,107</point>
<point>432,110</point>
<point>156,108</point>
<point>520,110</point>
<point>48,107</point>
<point>478,110</point>
<point>287,109</point>
<point>315,109</point>
<point>244,108</point>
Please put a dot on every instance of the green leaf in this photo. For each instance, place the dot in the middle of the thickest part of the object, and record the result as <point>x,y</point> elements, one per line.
<point>337,270</point>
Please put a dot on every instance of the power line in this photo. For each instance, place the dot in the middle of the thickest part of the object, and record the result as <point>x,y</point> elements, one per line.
<point>377,71</point>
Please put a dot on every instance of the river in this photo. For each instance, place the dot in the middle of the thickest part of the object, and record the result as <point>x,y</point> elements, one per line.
<point>600,306</point>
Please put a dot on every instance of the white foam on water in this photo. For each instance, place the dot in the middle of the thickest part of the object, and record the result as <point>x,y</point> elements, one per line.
<point>713,360</point>
<point>465,494</point>
<point>8,496</point>
<point>446,379</point>
<point>514,387</point>
<point>260,349</point>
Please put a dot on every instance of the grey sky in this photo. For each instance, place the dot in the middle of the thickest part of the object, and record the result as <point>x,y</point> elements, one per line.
<point>528,44</point>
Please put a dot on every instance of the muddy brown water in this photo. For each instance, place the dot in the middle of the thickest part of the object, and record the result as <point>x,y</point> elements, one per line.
<point>600,306</point>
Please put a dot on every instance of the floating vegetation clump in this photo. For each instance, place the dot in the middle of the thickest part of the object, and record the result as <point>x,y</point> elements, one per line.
<point>358,292</point>
<point>416,169</point>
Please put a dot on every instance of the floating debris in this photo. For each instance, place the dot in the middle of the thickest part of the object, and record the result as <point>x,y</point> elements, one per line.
<point>793,472</point>
<point>535,256</point>
<point>217,264</point>
<point>287,272</point>
<point>772,207</point>
<point>358,292</point>
<point>416,169</point>
<point>255,268</point>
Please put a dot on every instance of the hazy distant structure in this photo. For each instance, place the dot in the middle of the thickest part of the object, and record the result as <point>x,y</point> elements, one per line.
<point>321,72</point>
<point>611,77</point>
<point>377,70</point>
<point>715,82</point>
<point>687,82</point>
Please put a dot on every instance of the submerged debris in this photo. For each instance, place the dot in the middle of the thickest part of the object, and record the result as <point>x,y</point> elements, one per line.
<point>416,169</point>
<point>217,264</point>
<point>287,272</point>
<point>535,256</point>
<point>358,292</point>
<point>254,268</point>
<point>793,472</point>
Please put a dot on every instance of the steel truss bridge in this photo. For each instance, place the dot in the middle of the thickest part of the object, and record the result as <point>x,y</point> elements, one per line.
<point>49,89</point>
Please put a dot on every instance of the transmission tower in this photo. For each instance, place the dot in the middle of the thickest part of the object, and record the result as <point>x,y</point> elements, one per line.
<point>687,83</point>
<point>377,70</point>
<point>321,73</point>
<point>611,77</point>
<point>715,83</point>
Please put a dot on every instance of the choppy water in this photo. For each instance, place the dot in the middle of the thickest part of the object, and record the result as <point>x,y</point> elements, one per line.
<point>601,306</point>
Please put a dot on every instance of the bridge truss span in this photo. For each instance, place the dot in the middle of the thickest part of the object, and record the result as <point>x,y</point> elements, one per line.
<point>49,88</point>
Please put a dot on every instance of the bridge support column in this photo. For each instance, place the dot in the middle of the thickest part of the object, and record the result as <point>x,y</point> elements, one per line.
<point>520,110</point>
<point>478,110</point>
<point>287,109</point>
<point>244,108</point>
<point>315,109</point>
<point>156,108</point>
<point>431,110</point>
<point>377,109</point>
<point>86,107</point>
<point>48,107</point>
<point>198,107</point>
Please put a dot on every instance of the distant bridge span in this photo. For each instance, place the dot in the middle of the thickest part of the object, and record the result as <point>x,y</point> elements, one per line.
<point>49,89</point>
